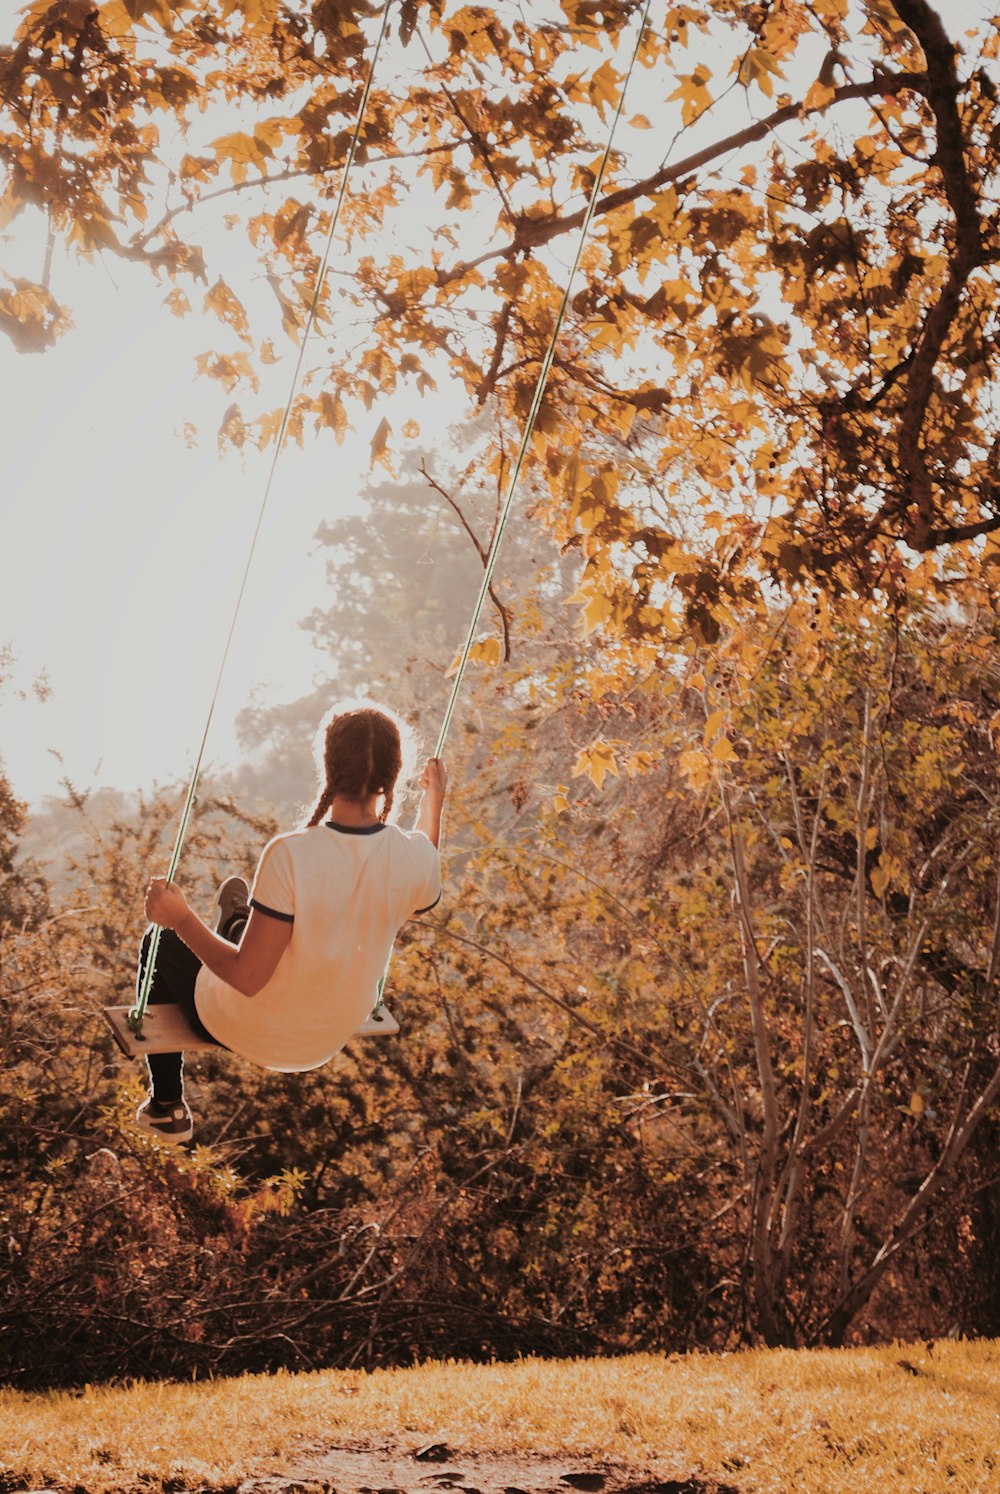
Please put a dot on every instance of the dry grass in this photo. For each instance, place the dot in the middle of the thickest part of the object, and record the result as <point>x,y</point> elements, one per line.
<point>899,1419</point>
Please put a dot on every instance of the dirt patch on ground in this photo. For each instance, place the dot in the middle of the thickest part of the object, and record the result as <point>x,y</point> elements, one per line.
<point>439,1469</point>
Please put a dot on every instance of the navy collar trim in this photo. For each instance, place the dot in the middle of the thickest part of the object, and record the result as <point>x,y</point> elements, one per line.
<point>354,829</point>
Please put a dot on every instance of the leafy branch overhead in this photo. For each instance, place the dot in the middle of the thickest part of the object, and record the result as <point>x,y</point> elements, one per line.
<point>782,351</point>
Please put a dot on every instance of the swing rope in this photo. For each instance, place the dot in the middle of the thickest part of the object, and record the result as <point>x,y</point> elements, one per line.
<point>138,1011</point>
<point>136,1015</point>
<point>536,403</point>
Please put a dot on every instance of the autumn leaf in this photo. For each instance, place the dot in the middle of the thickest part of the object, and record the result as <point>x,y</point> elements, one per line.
<point>380,445</point>
<point>596,763</point>
<point>31,316</point>
<point>119,16</point>
<point>758,66</point>
<point>818,96</point>
<point>220,300</point>
<point>604,88</point>
<point>332,414</point>
<point>693,93</point>
<point>486,651</point>
<point>177,302</point>
<point>229,370</point>
<point>231,428</point>
<point>696,767</point>
<point>291,315</point>
<point>241,151</point>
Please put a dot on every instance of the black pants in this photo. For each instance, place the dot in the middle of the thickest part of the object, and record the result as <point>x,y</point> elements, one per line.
<point>173,981</point>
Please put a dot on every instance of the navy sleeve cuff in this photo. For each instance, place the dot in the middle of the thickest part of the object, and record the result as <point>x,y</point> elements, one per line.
<point>272,912</point>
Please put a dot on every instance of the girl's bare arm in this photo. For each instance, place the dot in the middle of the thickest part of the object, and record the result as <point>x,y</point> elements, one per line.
<point>434,784</point>
<point>246,966</point>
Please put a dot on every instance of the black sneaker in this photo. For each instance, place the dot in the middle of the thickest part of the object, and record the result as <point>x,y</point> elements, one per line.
<point>233,901</point>
<point>172,1123</point>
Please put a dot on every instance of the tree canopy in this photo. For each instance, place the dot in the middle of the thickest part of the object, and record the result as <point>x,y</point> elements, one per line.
<point>781,356</point>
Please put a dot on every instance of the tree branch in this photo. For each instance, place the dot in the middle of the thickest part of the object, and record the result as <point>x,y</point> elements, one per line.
<point>480,551</point>
<point>941,88</point>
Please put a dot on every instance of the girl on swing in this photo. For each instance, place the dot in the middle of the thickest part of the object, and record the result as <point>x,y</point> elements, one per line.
<point>295,964</point>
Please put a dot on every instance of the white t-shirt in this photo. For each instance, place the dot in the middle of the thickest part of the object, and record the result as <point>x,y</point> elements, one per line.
<point>346,891</point>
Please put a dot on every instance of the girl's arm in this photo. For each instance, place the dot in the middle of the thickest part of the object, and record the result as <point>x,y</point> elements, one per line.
<point>247,966</point>
<point>434,784</point>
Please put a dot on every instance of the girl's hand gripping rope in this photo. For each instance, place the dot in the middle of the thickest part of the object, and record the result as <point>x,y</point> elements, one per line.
<point>165,903</point>
<point>434,786</point>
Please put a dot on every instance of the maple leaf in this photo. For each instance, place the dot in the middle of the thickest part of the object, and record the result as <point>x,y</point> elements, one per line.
<point>596,762</point>
<point>758,66</point>
<point>693,93</point>
<point>31,316</point>
<point>604,88</point>
<point>486,651</point>
<point>220,300</point>
<point>380,445</point>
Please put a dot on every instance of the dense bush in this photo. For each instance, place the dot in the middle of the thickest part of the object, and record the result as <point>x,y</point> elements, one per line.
<point>709,1060</point>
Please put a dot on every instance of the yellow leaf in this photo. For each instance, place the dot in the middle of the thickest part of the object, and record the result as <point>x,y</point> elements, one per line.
<point>818,96</point>
<point>640,762</point>
<point>596,612</point>
<point>330,409</point>
<point>695,97</point>
<point>268,134</point>
<point>604,86</point>
<point>758,66</point>
<point>178,302</point>
<point>560,803</point>
<point>723,750</point>
<point>879,880</point>
<point>414,283</point>
<point>486,650</point>
<point>268,427</point>
<point>696,768</point>
<point>714,724</point>
<point>380,445</point>
<point>916,1103</point>
<point>240,150</point>
<point>228,309</point>
<point>596,762</point>
<point>663,210</point>
<point>411,430</point>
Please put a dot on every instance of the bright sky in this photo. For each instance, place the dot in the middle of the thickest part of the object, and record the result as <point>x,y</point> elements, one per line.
<point>123,549</point>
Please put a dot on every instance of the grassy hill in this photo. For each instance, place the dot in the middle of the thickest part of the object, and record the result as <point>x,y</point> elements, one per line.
<point>908,1419</point>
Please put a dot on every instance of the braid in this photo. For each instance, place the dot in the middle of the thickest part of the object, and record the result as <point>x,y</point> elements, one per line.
<point>359,753</point>
<point>322,805</point>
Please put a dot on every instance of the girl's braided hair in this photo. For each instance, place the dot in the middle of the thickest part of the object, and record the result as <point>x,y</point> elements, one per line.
<point>359,752</point>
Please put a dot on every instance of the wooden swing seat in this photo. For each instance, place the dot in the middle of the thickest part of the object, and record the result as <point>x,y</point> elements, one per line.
<point>166,1029</point>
